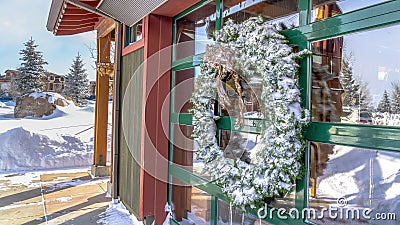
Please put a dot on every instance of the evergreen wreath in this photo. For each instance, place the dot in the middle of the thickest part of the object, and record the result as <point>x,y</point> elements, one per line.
<point>255,49</point>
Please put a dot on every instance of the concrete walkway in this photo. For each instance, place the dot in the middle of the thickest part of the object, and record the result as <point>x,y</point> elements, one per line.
<point>52,198</point>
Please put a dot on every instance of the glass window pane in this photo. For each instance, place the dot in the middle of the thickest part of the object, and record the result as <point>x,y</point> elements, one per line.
<point>191,205</point>
<point>133,33</point>
<point>194,31</point>
<point>323,9</point>
<point>356,78</point>
<point>183,89</point>
<point>230,215</point>
<point>184,154</point>
<point>361,178</point>
<point>283,12</point>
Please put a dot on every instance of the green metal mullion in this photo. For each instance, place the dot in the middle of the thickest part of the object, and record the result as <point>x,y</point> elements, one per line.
<point>219,16</point>
<point>224,123</point>
<point>370,17</point>
<point>191,9</point>
<point>359,14</point>
<point>198,182</point>
<point>173,53</point>
<point>174,222</point>
<point>187,62</point>
<point>214,210</point>
<point>171,134</point>
<point>301,196</point>
<point>364,136</point>
<point>304,12</point>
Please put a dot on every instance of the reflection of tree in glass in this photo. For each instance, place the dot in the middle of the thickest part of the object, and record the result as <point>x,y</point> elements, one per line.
<point>396,98</point>
<point>388,110</point>
<point>356,97</point>
<point>384,104</point>
<point>349,84</point>
<point>364,97</point>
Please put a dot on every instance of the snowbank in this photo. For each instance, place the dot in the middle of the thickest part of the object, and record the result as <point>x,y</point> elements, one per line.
<point>10,103</point>
<point>23,150</point>
<point>117,214</point>
<point>385,119</point>
<point>52,96</point>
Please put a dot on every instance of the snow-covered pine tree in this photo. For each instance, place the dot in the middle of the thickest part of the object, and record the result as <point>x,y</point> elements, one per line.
<point>350,85</point>
<point>384,105</point>
<point>76,82</point>
<point>32,77</point>
<point>396,98</point>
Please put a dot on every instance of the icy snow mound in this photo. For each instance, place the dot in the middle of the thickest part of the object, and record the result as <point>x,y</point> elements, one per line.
<point>117,214</point>
<point>52,97</point>
<point>23,150</point>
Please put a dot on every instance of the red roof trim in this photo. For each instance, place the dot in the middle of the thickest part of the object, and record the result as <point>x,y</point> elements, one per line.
<point>74,20</point>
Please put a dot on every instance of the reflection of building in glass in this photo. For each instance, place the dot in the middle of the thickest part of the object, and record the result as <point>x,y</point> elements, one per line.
<point>327,65</point>
<point>326,90</point>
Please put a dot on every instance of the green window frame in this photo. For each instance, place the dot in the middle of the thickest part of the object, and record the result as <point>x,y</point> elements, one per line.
<point>131,34</point>
<point>383,138</point>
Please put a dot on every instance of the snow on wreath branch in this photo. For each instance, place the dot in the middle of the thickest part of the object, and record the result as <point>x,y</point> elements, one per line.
<point>255,49</point>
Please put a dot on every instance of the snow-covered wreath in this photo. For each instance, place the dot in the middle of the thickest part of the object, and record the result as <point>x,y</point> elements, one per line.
<point>253,49</point>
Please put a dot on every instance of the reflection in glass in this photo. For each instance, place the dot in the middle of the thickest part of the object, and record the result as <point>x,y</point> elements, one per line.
<point>191,205</point>
<point>365,178</point>
<point>356,78</point>
<point>323,9</point>
<point>283,12</point>
<point>183,89</point>
<point>184,154</point>
<point>194,28</point>
<point>229,215</point>
<point>134,33</point>
<point>239,145</point>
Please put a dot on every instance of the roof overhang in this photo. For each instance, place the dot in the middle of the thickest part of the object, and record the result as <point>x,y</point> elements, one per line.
<point>129,12</point>
<point>67,19</point>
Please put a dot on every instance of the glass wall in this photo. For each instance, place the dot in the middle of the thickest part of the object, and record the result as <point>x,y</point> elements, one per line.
<point>356,78</point>
<point>194,30</point>
<point>323,9</point>
<point>353,178</point>
<point>191,205</point>
<point>283,12</point>
<point>352,87</point>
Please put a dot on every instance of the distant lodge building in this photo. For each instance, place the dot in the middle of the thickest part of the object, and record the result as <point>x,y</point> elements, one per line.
<point>54,83</point>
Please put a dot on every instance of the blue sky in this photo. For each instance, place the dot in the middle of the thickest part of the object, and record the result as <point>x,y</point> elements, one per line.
<point>21,19</point>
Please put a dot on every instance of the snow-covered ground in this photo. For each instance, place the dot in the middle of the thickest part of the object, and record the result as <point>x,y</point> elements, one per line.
<point>118,214</point>
<point>63,139</point>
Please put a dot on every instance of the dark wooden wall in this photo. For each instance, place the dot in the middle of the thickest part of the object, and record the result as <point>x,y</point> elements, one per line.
<point>130,130</point>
